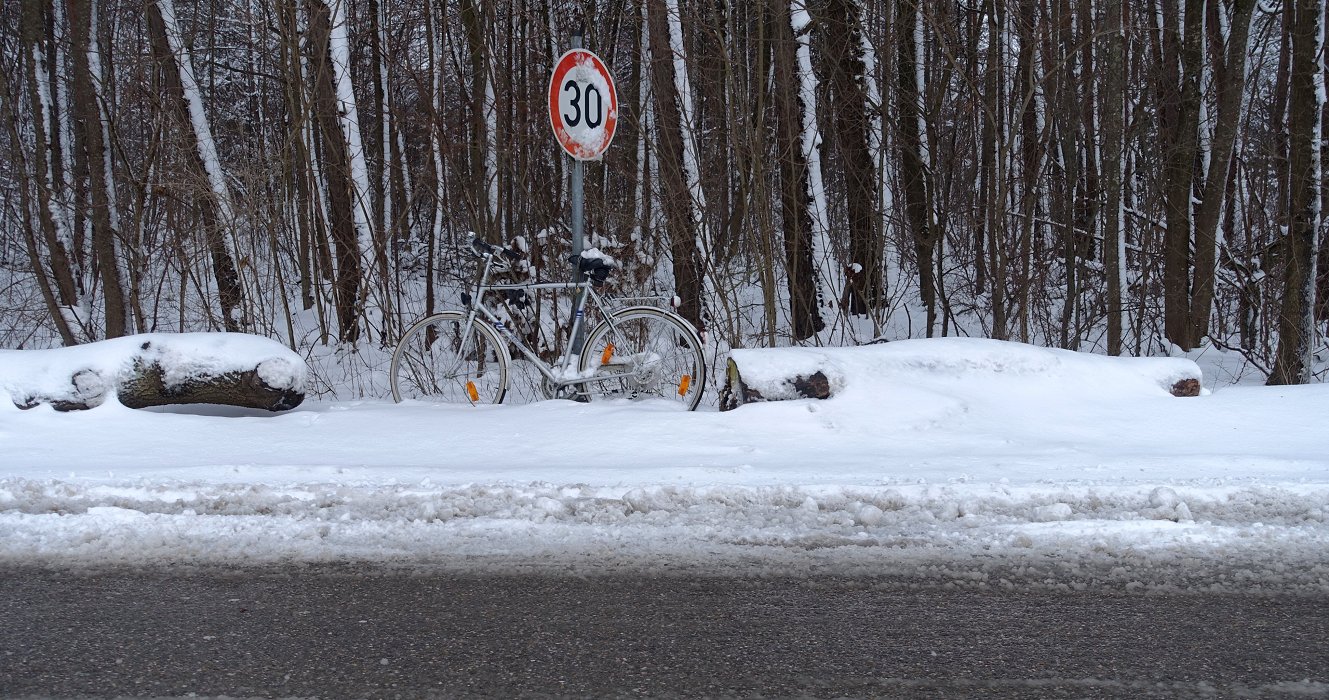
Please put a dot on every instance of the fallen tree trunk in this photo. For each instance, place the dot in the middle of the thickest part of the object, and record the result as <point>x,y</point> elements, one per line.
<point>783,374</point>
<point>737,392</point>
<point>229,369</point>
<point>147,386</point>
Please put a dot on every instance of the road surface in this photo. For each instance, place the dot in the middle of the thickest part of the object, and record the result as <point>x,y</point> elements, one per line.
<point>348,632</point>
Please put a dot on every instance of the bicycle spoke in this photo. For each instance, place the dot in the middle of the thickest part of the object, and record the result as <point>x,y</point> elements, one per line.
<point>435,362</point>
<point>645,353</point>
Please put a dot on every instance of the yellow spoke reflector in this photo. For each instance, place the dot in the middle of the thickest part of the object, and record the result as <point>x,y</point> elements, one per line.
<point>471,392</point>
<point>607,355</point>
<point>683,385</point>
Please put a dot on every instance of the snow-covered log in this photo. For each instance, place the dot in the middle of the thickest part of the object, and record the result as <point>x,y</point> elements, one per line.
<point>998,367</point>
<point>157,369</point>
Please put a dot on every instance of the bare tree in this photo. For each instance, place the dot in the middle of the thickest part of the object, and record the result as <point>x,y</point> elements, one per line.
<point>1183,62</point>
<point>678,199</point>
<point>1230,84</point>
<point>848,103</point>
<point>800,267</point>
<point>337,160</point>
<point>86,102</point>
<point>217,217</point>
<point>53,217</point>
<point>913,163</point>
<point>1296,325</point>
<point>1113,101</point>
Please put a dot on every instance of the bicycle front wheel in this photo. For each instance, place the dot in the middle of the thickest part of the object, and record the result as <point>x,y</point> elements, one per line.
<point>644,352</point>
<point>439,360</point>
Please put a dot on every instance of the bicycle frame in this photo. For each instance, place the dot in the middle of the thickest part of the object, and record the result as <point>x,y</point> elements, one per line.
<point>564,374</point>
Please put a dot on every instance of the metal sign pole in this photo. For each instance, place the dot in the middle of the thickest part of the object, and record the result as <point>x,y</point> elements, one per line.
<point>577,190</point>
<point>578,173</point>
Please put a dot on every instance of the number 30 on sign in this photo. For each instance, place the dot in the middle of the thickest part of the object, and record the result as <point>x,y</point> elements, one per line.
<point>583,106</point>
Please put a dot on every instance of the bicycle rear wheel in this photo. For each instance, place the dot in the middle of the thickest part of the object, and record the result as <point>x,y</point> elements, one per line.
<point>643,352</point>
<point>435,361</point>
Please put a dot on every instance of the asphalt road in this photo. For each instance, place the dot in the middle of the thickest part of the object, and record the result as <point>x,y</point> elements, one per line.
<point>376,634</point>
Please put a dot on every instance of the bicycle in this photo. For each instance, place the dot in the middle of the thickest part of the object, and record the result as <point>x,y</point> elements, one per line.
<point>633,352</point>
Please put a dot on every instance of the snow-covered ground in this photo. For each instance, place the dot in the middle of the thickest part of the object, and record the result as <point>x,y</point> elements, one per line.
<point>963,462</point>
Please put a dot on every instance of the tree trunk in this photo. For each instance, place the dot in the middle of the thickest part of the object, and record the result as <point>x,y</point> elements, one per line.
<point>337,170</point>
<point>54,225</point>
<point>1067,184</point>
<point>796,375</point>
<point>28,228</point>
<point>829,278</point>
<point>215,211</point>
<point>690,126</point>
<point>1112,96</point>
<point>1230,83</point>
<point>848,102</point>
<point>995,139</point>
<point>677,204</point>
<point>381,179</point>
<point>86,111</point>
<point>1183,63</point>
<point>147,382</point>
<point>737,391</point>
<point>1296,324</point>
<point>913,171</point>
<point>796,221</point>
<point>297,161</point>
<point>480,104</point>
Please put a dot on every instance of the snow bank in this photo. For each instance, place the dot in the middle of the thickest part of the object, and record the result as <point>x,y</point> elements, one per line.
<point>989,465</point>
<point>981,365</point>
<point>90,373</point>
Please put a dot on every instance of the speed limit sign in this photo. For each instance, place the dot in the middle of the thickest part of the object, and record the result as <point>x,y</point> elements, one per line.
<point>583,106</point>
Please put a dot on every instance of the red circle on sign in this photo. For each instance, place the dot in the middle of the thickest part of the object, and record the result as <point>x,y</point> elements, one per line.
<point>583,105</point>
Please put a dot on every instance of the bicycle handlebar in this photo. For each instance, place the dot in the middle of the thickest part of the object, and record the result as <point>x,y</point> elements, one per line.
<point>595,269</point>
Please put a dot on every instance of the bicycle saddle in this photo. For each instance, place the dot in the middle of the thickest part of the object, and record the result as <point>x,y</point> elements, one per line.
<point>593,265</point>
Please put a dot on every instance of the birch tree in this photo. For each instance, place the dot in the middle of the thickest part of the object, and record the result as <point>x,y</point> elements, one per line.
<point>688,126</point>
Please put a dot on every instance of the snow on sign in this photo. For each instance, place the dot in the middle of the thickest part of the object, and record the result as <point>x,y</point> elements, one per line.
<point>583,106</point>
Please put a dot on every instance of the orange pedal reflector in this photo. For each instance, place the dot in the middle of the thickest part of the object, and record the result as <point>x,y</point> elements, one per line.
<point>471,392</point>
<point>683,385</point>
<point>607,355</point>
